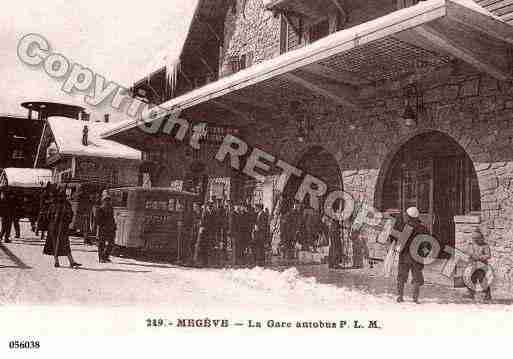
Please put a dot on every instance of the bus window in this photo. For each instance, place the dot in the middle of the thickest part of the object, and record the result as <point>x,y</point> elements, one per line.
<point>171,205</point>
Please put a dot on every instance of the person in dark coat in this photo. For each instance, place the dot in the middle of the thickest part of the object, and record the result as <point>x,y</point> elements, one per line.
<point>336,248</point>
<point>260,236</point>
<point>4,215</point>
<point>106,228</point>
<point>31,211</point>
<point>9,215</point>
<point>221,226</point>
<point>19,213</point>
<point>291,226</point>
<point>45,201</point>
<point>204,249</point>
<point>60,215</point>
<point>188,235</point>
<point>407,263</point>
<point>238,245</point>
<point>248,222</point>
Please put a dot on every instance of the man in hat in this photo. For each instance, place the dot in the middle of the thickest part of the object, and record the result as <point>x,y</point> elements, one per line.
<point>5,216</point>
<point>407,263</point>
<point>260,236</point>
<point>291,227</point>
<point>204,250</point>
<point>106,228</point>
<point>480,254</point>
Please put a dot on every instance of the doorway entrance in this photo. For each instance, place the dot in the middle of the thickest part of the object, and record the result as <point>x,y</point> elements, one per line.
<point>432,172</point>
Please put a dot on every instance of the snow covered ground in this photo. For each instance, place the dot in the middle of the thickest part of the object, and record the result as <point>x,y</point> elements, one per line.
<point>29,280</point>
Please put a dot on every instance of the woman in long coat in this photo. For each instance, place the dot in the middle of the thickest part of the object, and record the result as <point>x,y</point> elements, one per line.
<point>57,242</point>
<point>45,200</point>
<point>336,250</point>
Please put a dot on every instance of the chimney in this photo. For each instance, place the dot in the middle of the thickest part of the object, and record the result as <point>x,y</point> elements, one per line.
<point>85,137</point>
<point>106,118</point>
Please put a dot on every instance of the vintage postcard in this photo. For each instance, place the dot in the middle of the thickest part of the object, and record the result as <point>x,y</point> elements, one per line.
<point>305,168</point>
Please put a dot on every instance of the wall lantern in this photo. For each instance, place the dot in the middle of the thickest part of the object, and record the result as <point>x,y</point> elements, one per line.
<point>414,105</point>
<point>304,125</point>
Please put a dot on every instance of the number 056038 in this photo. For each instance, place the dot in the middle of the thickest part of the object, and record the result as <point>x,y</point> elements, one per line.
<point>24,344</point>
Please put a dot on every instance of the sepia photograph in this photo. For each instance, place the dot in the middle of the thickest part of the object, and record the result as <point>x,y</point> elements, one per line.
<point>321,169</point>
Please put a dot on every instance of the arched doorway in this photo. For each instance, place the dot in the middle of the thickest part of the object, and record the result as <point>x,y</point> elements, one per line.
<point>434,173</point>
<point>318,162</point>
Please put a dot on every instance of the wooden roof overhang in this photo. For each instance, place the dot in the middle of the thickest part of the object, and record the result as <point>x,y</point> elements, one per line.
<point>337,67</point>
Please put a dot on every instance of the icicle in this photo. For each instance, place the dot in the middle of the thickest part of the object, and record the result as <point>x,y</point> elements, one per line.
<point>172,70</point>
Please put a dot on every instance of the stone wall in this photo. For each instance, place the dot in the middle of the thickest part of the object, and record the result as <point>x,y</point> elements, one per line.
<point>475,110</point>
<point>253,30</point>
<point>470,107</point>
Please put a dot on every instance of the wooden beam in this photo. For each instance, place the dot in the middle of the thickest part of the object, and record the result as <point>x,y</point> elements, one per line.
<point>340,97</point>
<point>345,77</point>
<point>463,53</point>
<point>480,22</point>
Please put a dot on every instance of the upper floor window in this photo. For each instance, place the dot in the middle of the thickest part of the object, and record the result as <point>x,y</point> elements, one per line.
<point>319,30</point>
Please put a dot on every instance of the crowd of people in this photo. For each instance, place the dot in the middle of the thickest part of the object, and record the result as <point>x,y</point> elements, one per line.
<point>218,229</point>
<point>12,209</point>
<point>50,214</point>
<point>220,233</point>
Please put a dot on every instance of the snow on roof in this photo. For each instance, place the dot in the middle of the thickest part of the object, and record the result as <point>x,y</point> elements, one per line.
<point>25,177</point>
<point>68,137</point>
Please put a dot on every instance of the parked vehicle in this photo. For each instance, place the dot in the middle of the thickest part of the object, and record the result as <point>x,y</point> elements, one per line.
<point>150,220</point>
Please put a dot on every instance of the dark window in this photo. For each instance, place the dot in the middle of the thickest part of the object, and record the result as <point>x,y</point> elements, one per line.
<point>319,30</point>
<point>284,35</point>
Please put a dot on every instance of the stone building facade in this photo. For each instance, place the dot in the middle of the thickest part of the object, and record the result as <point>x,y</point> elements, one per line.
<point>455,158</point>
<point>471,108</point>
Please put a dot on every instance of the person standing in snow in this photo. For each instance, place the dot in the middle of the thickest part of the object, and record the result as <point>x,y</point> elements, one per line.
<point>45,200</point>
<point>10,211</point>
<point>336,249</point>
<point>106,228</point>
<point>57,243</point>
<point>19,213</point>
<point>291,227</point>
<point>260,236</point>
<point>237,235</point>
<point>407,263</point>
<point>4,208</point>
<point>204,250</point>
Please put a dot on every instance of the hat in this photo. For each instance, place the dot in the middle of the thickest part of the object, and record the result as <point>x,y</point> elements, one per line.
<point>413,212</point>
